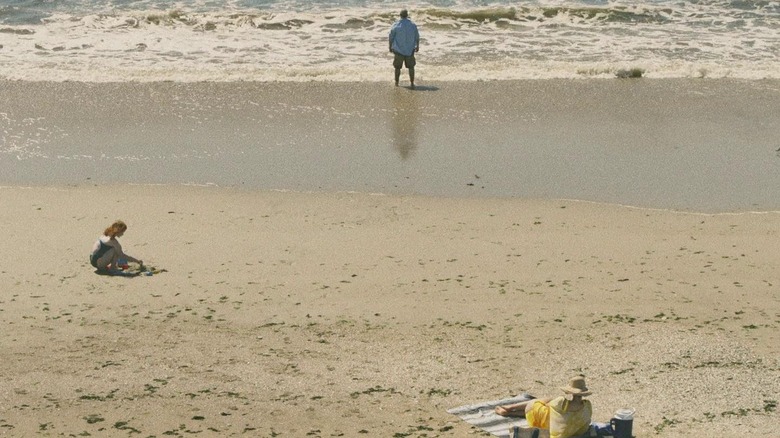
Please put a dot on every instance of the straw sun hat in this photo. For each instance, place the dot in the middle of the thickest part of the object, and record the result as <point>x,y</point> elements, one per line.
<point>577,386</point>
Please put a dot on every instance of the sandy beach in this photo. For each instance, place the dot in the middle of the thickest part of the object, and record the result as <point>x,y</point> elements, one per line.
<point>569,188</point>
<point>346,314</point>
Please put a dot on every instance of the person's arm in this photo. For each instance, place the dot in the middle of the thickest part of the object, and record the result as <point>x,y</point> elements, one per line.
<point>121,254</point>
<point>416,40</point>
<point>392,37</point>
<point>134,260</point>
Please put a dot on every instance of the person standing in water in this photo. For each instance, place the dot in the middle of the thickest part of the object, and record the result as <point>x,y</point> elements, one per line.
<point>404,43</point>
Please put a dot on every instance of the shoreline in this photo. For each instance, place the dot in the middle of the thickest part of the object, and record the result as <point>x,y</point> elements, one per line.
<point>690,144</point>
<point>286,314</point>
<point>250,191</point>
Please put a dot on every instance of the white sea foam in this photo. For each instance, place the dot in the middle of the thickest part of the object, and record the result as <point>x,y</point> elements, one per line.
<point>279,42</point>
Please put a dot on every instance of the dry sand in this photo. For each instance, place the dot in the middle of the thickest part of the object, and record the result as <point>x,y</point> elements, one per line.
<point>295,315</point>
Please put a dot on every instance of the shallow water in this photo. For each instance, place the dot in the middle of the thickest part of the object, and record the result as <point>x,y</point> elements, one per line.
<point>681,144</point>
<point>327,40</point>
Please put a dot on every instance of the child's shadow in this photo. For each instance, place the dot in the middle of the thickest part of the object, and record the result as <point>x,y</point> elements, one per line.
<point>116,273</point>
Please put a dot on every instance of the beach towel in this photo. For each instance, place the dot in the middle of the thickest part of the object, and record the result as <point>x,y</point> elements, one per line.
<point>483,415</point>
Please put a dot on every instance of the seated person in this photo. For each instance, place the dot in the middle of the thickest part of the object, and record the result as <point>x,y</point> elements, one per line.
<point>107,250</point>
<point>565,416</point>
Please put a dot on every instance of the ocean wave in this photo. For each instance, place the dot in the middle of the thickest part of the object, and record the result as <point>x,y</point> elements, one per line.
<point>617,13</point>
<point>353,18</point>
<point>21,31</point>
<point>540,14</point>
<point>662,39</point>
<point>688,14</point>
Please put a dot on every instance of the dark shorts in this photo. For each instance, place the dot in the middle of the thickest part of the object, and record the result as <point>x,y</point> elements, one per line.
<point>399,60</point>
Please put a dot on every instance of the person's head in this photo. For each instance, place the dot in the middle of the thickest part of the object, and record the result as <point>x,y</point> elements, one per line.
<point>404,13</point>
<point>577,387</point>
<point>115,229</point>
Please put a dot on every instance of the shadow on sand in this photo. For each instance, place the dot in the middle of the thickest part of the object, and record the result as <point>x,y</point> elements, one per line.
<point>422,88</point>
<point>115,273</point>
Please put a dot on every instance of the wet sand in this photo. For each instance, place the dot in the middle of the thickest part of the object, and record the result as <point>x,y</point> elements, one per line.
<point>692,145</point>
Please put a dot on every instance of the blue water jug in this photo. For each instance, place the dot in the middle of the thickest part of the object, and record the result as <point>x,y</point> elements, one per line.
<point>623,423</point>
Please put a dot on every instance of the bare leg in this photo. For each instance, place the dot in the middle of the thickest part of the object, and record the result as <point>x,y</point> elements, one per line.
<point>109,258</point>
<point>397,76</point>
<point>515,410</point>
<point>115,260</point>
<point>518,409</point>
<point>411,76</point>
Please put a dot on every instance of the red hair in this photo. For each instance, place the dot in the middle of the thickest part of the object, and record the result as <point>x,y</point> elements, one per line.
<point>115,228</point>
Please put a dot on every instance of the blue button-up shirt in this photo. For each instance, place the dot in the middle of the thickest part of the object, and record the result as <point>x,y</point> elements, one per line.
<point>404,37</point>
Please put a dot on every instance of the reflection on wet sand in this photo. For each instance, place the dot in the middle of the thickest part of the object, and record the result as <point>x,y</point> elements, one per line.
<point>405,118</point>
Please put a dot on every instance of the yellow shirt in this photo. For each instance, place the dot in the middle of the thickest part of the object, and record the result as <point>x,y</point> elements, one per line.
<point>539,415</point>
<point>566,423</point>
